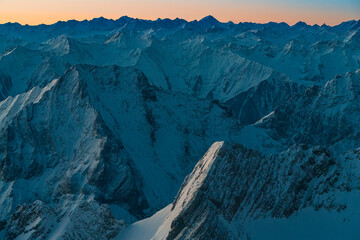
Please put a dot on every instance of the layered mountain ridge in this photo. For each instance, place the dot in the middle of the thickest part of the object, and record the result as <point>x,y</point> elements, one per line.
<point>104,123</point>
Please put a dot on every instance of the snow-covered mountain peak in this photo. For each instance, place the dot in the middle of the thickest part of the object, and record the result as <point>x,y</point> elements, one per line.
<point>195,180</point>
<point>101,121</point>
<point>232,187</point>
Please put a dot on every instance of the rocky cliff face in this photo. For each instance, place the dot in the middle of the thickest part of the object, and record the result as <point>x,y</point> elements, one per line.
<point>75,155</point>
<point>321,116</point>
<point>232,185</point>
<point>251,105</point>
<point>235,189</point>
<point>185,56</point>
<point>41,221</point>
<point>101,121</point>
<point>80,135</point>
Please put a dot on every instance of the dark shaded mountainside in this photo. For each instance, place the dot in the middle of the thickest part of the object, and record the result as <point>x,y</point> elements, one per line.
<point>102,120</point>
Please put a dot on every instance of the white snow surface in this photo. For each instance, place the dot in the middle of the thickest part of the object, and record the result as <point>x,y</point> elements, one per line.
<point>148,228</point>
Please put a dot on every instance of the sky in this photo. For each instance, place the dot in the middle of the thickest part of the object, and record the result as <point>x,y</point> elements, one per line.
<point>330,12</point>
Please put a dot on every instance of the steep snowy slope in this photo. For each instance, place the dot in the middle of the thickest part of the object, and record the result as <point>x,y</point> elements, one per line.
<point>172,129</point>
<point>120,140</point>
<point>83,220</point>
<point>308,56</point>
<point>195,68</point>
<point>233,191</point>
<point>101,121</point>
<point>203,58</point>
<point>24,67</point>
<point>77,156</point>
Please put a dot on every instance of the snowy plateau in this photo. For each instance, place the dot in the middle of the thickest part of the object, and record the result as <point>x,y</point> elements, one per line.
<point>132,129</point>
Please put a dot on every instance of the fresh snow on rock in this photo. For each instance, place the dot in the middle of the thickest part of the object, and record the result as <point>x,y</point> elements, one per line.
<point>238,193</point>
<point>102,120</point>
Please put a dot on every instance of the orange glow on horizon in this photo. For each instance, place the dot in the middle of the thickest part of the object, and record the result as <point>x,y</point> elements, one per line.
<point>49,13</point>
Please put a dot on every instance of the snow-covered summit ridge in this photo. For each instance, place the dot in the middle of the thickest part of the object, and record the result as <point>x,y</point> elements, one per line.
<point>101,121</point>
<point>233,188</point>
<point>93,153</point>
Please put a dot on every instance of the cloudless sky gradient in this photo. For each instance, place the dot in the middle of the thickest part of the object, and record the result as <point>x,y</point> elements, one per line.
<point>34,12</point>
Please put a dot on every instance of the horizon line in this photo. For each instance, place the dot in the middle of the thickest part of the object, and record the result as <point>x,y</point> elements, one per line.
<point>173,19</point>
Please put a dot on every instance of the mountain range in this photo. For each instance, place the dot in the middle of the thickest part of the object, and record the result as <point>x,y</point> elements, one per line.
<point>169,129</point>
